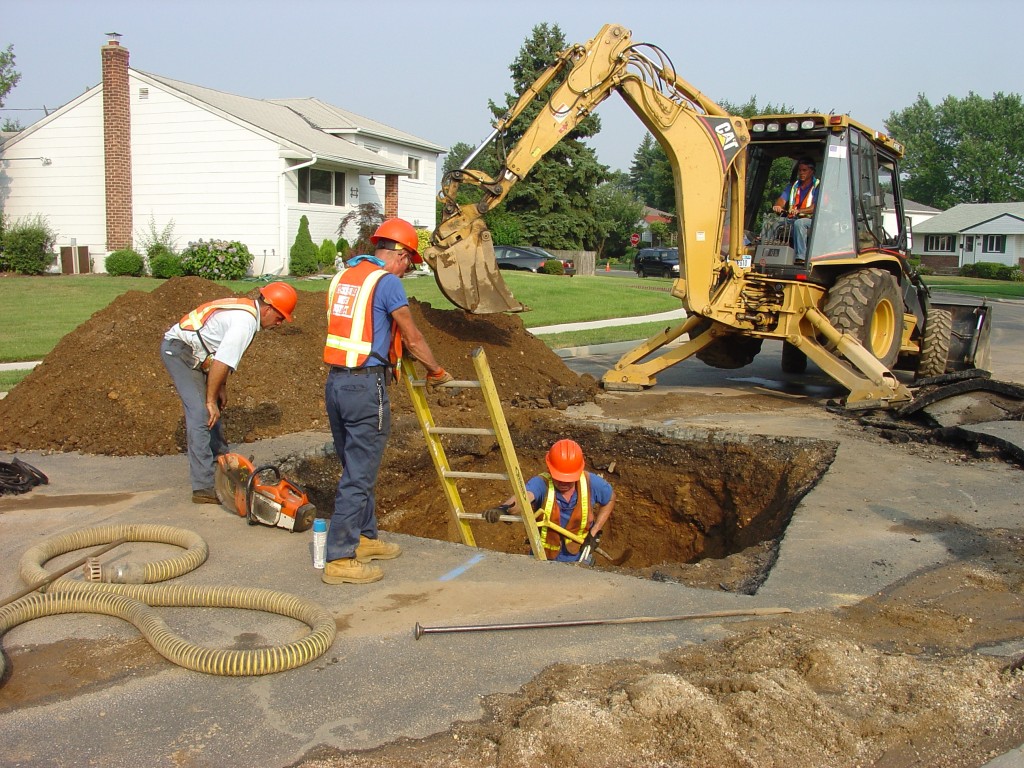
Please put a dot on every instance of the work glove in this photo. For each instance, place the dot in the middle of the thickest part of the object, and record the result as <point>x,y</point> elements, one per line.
<point>494,514</point>
<point>588,548</point>
<point>441,376</point>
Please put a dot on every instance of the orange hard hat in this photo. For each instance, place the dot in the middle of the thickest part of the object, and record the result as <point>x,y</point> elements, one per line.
<point>401,232</point>
<point>281,297</point>
<point>565,461</point>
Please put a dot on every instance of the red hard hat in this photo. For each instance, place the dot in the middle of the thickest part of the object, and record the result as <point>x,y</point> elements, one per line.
<point>402,232</point>
<point>565,461</point>
<point>281,297</point>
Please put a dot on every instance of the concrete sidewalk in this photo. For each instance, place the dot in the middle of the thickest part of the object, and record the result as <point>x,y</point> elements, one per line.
<point>377,683</point>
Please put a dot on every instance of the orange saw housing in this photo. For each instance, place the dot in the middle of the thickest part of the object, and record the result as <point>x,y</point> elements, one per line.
<point>279,503</point>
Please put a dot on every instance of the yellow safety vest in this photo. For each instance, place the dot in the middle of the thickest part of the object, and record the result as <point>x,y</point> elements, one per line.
<point>350,318</point>
<point>578,521</point>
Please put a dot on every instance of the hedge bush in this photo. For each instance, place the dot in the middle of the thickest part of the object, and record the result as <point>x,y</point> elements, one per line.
<point>990,270</point>
<point>216,260</point>
<point>26,246</point>
<point>552,267</point>
<point>125,263</point>
<point>164,265</point>
<point>328,253</point>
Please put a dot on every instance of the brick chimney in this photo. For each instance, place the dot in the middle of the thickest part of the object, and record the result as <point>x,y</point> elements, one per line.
<point>117,144</point>
<point>390,196</point>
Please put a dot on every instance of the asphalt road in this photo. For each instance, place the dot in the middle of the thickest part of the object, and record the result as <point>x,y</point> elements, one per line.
<point>112,701</point>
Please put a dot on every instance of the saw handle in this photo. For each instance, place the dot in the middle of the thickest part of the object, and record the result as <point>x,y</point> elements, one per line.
<point>250,485</point>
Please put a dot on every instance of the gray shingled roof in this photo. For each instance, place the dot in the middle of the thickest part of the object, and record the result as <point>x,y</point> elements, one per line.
<point>909,206</point>
<point>291,127</point>
<point>966,215</point>
<point>332,119</point>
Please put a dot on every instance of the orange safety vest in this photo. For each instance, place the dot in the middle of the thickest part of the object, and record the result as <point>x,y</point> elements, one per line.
<point>578,520</point>
<point>350,318</point>
<point>796,201</point>
<point>197,318</point>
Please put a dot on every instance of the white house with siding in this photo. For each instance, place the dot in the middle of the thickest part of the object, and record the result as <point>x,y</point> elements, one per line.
<point>140,152</point>
<point>972,232</point>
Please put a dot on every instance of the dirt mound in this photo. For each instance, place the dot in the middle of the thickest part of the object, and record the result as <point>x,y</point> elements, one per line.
<point>104,390</point>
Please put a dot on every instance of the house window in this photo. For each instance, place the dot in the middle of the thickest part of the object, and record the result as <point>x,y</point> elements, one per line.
<point>994,244</point>
<point>414,167</point>
<point>968,243</point>
<point>321,187</point>
<point>940,243</point>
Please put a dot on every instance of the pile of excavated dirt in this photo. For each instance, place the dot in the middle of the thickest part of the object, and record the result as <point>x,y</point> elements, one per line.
<point>104,390</point>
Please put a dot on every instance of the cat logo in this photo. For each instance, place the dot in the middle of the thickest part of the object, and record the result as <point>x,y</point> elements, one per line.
<point>726,135</point>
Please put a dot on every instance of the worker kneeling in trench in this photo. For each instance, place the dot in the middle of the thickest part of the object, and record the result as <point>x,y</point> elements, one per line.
<point>583,500</point>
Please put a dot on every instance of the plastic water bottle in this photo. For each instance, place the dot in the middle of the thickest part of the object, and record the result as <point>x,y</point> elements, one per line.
<point>319,543</point>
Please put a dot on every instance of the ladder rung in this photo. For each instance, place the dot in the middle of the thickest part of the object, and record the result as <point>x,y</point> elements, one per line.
<point>479,516</point>
<point>461,431</point>
<point>478,475</point>
<point>448,385</point>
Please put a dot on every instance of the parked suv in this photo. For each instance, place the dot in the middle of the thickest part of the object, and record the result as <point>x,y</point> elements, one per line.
<point>657,262</point>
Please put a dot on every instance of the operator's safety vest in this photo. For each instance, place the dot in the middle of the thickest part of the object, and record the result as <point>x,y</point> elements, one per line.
<point>196,319</point>
<point>578,520</point>
<point>350,318</point>
<point>797,201</point>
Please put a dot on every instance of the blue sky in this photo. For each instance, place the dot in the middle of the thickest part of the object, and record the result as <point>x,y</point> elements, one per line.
<point>430,67</point>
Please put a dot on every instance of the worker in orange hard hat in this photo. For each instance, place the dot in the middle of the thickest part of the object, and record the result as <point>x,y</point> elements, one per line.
<point>199,351</point>
<point>369,327</point>
<point>569,497</point>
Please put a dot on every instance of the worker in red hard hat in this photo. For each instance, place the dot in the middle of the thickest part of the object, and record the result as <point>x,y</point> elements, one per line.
<point>369,328</point>
<point>569,497</point>
<point>199,351</point>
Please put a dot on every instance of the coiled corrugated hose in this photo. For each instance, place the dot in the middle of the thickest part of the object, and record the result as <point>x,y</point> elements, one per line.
<point>133,601</point>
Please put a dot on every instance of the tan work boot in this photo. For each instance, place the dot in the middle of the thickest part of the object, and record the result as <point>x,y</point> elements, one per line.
<point>348,570</point>
<point>375,549</point>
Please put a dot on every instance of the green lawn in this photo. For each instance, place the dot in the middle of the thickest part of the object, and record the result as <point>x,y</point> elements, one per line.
<point>35,312</point>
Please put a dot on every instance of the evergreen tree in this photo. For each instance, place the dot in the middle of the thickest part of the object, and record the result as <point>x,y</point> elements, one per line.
<point>554,205</point>
<point>304,256</point>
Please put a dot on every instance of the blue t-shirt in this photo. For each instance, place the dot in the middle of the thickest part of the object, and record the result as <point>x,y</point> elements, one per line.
<point>600,494</point>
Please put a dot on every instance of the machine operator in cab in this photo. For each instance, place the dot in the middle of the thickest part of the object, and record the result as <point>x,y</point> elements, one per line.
<point>798,201</point>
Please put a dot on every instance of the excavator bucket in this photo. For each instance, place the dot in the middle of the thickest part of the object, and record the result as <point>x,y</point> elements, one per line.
<point>467,273</point>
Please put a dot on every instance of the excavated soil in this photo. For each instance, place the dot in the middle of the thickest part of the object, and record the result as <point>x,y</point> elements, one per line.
<point>894,681</point>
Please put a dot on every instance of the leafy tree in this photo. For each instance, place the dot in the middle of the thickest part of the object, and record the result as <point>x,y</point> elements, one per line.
<point>554,204</point>
<point>619,210</point>
<point>9,76</point>
<point>367,217</point>
<point>968,150</point>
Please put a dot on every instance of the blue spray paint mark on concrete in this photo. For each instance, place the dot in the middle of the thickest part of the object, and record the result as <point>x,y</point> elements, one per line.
<point>456,572</point>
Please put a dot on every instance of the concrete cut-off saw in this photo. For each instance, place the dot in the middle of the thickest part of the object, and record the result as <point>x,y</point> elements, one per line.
<point>278,503</point>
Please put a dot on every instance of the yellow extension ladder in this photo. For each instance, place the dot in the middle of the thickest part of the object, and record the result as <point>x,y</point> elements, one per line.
<point>498,429</point>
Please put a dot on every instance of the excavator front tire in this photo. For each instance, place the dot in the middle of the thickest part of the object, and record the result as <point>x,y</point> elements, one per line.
<point>866,304</point>
<point>938,331</point>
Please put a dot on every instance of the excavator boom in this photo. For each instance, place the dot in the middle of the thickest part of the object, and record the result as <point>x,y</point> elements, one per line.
<point>735,297</point>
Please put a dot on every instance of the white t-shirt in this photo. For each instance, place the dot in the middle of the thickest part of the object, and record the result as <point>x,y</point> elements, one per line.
<point>227,333</point>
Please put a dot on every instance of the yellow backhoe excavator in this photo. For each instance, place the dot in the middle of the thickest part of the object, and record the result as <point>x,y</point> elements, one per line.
<point>852,303</point>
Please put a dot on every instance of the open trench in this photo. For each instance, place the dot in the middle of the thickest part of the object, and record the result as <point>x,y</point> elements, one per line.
<point>680,499</point>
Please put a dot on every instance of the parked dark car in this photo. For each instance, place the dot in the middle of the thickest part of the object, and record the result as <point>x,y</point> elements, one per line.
<point>528,258</point>
<point>657,262</point>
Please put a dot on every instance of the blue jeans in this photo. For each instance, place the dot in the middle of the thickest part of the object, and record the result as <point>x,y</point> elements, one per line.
<point>801,229</point>
<point>204,444</point>
<point>359,411</point>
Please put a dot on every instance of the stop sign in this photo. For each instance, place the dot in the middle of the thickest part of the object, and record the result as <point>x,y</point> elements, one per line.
<point>634,239</point>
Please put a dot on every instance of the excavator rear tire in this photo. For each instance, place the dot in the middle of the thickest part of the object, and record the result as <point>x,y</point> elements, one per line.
<point>938,331</point>
<point>866,304</point>
<point>793,359</point>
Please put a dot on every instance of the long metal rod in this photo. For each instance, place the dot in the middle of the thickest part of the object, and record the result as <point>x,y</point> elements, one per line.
<point>420,630</point>
<point>57,574</point>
